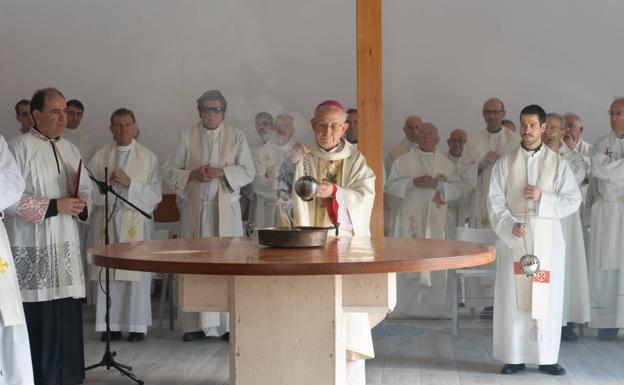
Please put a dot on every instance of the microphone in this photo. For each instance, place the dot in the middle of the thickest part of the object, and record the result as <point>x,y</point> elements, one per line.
<point>102,186</point>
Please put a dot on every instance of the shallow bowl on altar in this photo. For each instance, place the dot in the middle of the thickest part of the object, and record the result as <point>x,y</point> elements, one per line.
<point>299,236</point>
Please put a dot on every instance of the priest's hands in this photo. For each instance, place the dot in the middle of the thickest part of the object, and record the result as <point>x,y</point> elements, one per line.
<point>426,181</point>
<point>70,206</point>
<point>325,190</point>
<point>488,159</point>
<point>532,193</point>
<point>297,152</point>
<point>205,173</point>
<point>120,177</point>
<point>518,230</point>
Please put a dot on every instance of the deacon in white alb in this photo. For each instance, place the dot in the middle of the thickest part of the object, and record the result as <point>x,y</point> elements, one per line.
<point>424,180</point>
<point>15,363</point>
<point>134,174</point>
<point>576,306</point>
<point>607,226</point>
<point>269,158</point>
<point>210,164</point>
<point>532,188</point>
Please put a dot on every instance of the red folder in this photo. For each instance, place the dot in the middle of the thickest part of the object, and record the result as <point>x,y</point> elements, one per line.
<point>77,180</point>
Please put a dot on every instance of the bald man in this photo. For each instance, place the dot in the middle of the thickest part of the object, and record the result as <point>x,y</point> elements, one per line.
<point>424,180</point>
<point>467,171</point>
<point>392,204</point>
<point>607,226</point>
<point>485,147</point>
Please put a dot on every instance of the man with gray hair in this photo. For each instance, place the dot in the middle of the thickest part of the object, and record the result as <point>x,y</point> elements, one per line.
<point>607,226</point>
<point>576,306</point>
<point>269,158</point>
<point>210,164</point>
<point>573,135</point>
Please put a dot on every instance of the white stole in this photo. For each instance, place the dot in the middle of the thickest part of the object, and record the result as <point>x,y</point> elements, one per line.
<point>227,144</point>
<point>437,214</point>
<point>132,223</point>
<point>532,293</point>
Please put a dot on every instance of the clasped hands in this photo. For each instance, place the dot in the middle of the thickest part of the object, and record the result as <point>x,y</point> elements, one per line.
<point>205,173</point>
<point>70,205</point>
<point>425,181</point>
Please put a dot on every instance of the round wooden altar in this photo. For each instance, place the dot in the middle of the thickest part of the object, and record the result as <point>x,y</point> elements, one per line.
<point>288,306</point>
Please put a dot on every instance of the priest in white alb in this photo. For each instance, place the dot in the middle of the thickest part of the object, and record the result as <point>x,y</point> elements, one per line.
<point>133,173</point>
<point>467,170</point>
<point>269,159</point>
<point>485,147</point>
<point>576,306</point>
<point>15,363</point>
<point>606,258</point>
<point>424,180</point>
<point>207,169</point>
<point>44,239</point>
<point>532,188</point>
<point>345,195</point>
<point>391,203</point>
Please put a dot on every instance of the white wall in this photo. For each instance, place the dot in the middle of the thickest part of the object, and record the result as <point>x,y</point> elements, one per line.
<point>442,59</point>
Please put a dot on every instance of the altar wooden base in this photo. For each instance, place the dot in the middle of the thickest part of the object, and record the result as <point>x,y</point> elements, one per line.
<point>288,330</point>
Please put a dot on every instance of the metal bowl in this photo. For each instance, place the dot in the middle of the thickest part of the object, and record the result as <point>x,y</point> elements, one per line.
<point>297,237</point>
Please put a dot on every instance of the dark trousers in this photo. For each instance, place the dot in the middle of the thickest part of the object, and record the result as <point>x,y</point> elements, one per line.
<point>56,342</point>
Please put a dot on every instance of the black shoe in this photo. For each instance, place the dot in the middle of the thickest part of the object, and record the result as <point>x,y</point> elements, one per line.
<point>113,336</point>
<point>512,368</point>
<point>193,336</point>
<point>568,334</point>
<point>487,313</point>
<point>134,337</point>
<point>226,336</point>
<point>554,369</point>
<point>607,334</point>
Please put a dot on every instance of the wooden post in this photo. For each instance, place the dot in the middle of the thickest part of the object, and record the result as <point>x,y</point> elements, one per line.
<point>370,98</point>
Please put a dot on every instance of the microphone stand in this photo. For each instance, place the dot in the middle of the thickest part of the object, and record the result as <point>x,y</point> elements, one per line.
<point>108,359</point>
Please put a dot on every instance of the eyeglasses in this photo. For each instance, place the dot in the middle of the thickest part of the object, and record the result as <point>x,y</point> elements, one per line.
<point>214,110</point>
<point>456,141</point>
<point>492,112</point>
<point>332,126</point>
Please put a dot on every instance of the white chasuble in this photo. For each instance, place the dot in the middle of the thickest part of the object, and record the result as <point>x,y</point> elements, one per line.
<point>131,309</point>
<point>127,225</point>
<point>46,250</point>
<point>479,144</point>
<point>528,311</point>
<point>209,209</point>
<point>606,275</point>
<point>347,169</point>
<point>425,294</point>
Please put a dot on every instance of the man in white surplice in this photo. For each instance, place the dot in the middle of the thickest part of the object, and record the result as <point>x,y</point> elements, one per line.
<point>45,243</point>
<point>269,158</point>
<point>134,174</point>
<point>425,180</point>
<point>532,188</point>
<point>391,203</point>
<point>576,307</point>
<point>22,115</point>
<point>210,164</point>
<point>15,363</point>
<point>485,147</point>
<point>606,272</point>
